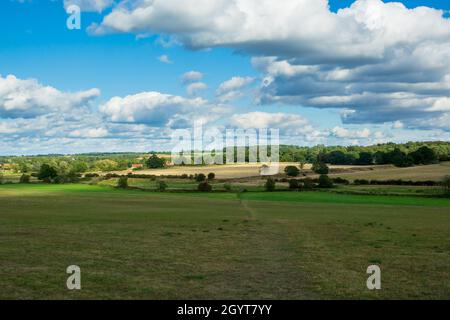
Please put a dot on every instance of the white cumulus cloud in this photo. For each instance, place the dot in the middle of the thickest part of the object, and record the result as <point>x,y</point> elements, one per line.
<point>90,5</point>
<point>382,60</point>
<point>152,108</point>
<point>28,98</point>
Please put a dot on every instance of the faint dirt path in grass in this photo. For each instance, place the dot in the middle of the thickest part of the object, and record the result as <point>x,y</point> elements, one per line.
<point>273,266</point>
<point>247,208</point>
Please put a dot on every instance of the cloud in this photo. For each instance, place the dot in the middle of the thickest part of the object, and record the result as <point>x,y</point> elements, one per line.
<point>90,5</point>
<point>89,133</point>
<point>398,125</point>
<point>191,80</point>
<point>28,98</point>
<point>232,88</point>
<point>195,87</point>
<point>290,125</point>
<point>151,108</point>
<point>341,132</point>
<point>165,59</point>
<point>191,76</point>
<point>381,60</point>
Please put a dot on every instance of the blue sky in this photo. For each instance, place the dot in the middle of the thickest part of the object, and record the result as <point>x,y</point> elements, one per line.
<point>116,84</point>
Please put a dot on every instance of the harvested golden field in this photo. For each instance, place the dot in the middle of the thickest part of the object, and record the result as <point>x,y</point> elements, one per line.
<point>418,173</point>
<point>351,172</point>
<point>228,171</point>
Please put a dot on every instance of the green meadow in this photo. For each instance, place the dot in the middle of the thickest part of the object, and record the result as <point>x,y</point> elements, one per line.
<point>134,244</point>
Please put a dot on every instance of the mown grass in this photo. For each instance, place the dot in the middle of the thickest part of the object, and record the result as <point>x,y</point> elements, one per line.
<point>148,245</point>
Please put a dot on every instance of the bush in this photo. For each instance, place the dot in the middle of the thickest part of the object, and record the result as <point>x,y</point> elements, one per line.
<point>339,180</point>
<point>446,185</point>
<point>60,179</point>
<point>25,178</point>
<point>91,175</point>
<point>122,183</point>
<point>227,186</point>
<point>308,183</point>
<point>161,186</point>
<point>325,181</point>
<point>293,184</point>
<point>361,182</point>
<point>200,177</point>
<point>270,185</point>
<point>211,176</point>
<point>204,187</point>
<point>320,168</point>
<point>292,171</point>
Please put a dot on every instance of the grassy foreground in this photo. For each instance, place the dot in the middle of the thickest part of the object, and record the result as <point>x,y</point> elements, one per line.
<point>134,244</point>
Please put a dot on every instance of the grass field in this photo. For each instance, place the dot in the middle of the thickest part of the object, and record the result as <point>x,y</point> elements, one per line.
<point>148,245</point>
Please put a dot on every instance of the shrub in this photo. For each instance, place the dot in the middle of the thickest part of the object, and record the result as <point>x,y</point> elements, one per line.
<point>91,175</point>
<point>2,178</point>
<point>446,185</point>
<point>292,171</point>
<point>270,185</point>
<point>161,186</point>
<point>308,183</point>
<point>60,179</point>
<point>204,187</point>
<point>211,176</point>
<point>361,182</point>
<point>24,178</point>
<point>227,186</point>
<point>339,180</point>
<point>320,168</point>
<point>325,181</point>
<point>122,183</point>
<point>200,177</point>
<point>293,184</point>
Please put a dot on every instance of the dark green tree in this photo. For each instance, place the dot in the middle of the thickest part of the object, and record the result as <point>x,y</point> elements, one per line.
<point>204,187</point>
<point>155,162</point>
<point>424,155</point>
<point>325,181</point>
<point>399,159</point>
<point>24,178</point>
<point>200,177</point>
<point>211,176</point>
<point>47,173</point>
<point>293,184</point>
<point>320,167</point>
<point>122,183</point>
<point>270,185</point>
<point>161,186</point>
<point>292,171</point>
<point>365,158</point>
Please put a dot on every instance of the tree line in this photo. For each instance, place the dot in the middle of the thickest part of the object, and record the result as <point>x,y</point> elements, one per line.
<point>401,155</point>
